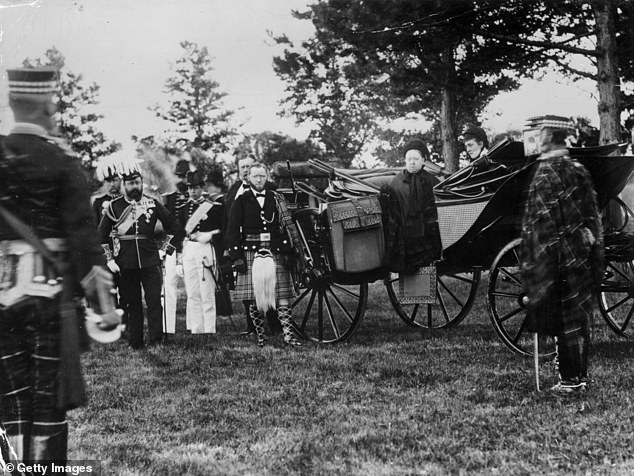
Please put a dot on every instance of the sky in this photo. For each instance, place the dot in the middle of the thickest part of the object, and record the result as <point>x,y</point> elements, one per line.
<point>127,48</point>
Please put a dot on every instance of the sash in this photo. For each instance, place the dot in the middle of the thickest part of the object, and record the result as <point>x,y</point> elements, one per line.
<point>197,216</point>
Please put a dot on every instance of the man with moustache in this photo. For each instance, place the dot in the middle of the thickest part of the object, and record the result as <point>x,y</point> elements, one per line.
<point>172,201</point>
<point>259,220</point>
<point>237,189</point>
<point>130,222</point>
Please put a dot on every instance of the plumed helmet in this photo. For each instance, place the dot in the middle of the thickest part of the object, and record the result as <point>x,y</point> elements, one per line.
<point>182,167</point>
<point>106,168</point>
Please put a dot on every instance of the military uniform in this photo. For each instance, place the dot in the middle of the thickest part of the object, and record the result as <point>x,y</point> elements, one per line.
<point>46,189</point>
<point>101,204</point>
<point>200,218</point>
<point>257,221</point>
<point>130,225</point>
<point>172,201</point>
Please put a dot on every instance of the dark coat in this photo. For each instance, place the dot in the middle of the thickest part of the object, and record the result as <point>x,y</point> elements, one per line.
<point>412,236</point>
<point>143,252</point>
<point>562,246</point>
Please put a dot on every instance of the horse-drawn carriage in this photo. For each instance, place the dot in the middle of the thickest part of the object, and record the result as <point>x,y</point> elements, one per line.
<point>479,214</point>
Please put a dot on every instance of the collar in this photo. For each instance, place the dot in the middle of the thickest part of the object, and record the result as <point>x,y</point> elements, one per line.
<point>554,154</point>
<point>199,201</point>
<point>31,129</point>
<point>259,194</point>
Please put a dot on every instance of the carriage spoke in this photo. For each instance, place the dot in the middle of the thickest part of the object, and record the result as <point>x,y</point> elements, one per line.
<point>308,309</point>
<point>320,315</point>
<point>520,332</point>
<point>443,307</point>
<point>627,319</point>
<point>331,317</point>
<point>442,283</point>
<point>414,312</point>
<point>300,297</point>
<point>511,276</point>
<point>429,315</point>
<point>505,294</point>
<point>346,291</point>
<point>618,304</point>
<point>341,306</point>
<point>510,314</point>
<point>619,271</point>
<point>460,278</point>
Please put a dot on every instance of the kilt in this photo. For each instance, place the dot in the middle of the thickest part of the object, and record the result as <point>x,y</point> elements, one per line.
<point>244,284</point>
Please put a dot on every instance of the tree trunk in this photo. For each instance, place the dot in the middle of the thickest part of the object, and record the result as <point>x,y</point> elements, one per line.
<point>448,130</point>
<point>607,69</point>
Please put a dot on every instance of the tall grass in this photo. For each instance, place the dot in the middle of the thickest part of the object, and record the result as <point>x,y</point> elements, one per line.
<point>393,400</point>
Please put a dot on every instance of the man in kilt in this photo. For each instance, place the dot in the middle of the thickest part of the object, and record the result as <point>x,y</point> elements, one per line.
<point>562,255</point>
<point>43,193</point>
<point>260,227</point>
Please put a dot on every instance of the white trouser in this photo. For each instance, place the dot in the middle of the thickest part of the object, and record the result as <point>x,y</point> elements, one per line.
<point>170,286</point>
<point>200,286</point>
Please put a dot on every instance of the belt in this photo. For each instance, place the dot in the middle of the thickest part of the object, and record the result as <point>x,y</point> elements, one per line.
<point>258,237</point>
<point>133,237</point>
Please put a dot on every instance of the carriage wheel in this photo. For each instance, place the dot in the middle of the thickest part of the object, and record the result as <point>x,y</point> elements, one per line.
<point>324,311</point>
<point>616,297</point>
<point>455,295</point>
<point>505,299</point>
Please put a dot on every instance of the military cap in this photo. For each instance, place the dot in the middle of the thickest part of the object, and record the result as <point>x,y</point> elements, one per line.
<point>33,81</point>
<point>478,134</point>
<point>182,167</point>
<point>195,178</point>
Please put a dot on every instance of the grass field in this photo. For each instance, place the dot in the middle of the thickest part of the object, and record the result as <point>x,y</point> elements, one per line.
<point>390,401</point>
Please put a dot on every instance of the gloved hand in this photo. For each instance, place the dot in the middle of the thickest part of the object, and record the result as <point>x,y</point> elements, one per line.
<point>113,266</point>
<point>203,237</point>
<point>161,254</point>
<point>179,270</point>
<point>239,266</point>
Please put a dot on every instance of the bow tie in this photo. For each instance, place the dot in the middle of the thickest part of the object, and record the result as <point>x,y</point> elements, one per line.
<point>260,194</point>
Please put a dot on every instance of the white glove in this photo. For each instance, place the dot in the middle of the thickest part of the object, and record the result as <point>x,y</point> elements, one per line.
<point>179,270</point>
<point>113,266</point>
<point>161,254</point>
<point>203,237</point>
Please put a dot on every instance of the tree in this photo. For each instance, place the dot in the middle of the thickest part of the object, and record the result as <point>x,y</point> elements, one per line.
<point>77,118</point>
<point>417,55</point>
<point>600,31</point>
<point>325,89</point>
<point>195,103</point>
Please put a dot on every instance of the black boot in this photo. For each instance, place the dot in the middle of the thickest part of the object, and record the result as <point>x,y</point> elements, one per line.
<point>284,314</point>
<point>258,324</point>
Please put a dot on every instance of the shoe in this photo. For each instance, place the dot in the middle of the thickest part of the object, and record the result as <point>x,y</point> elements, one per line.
<point>293,343</point>
<point>567,387</point>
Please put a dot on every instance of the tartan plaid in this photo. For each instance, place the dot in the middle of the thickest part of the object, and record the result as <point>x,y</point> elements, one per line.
<point>559,265</point>
<point>244,286</point>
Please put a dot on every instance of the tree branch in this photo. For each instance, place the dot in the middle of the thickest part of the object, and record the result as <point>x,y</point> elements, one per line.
<point>547,45</point>
<point>579,72</point>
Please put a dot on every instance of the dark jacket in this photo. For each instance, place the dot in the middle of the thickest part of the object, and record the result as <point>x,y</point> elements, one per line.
<point>48,191</point>
<point>212,220</point>
<point>247,220</point>
<point>412,235</point>
<point>138,247</point>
